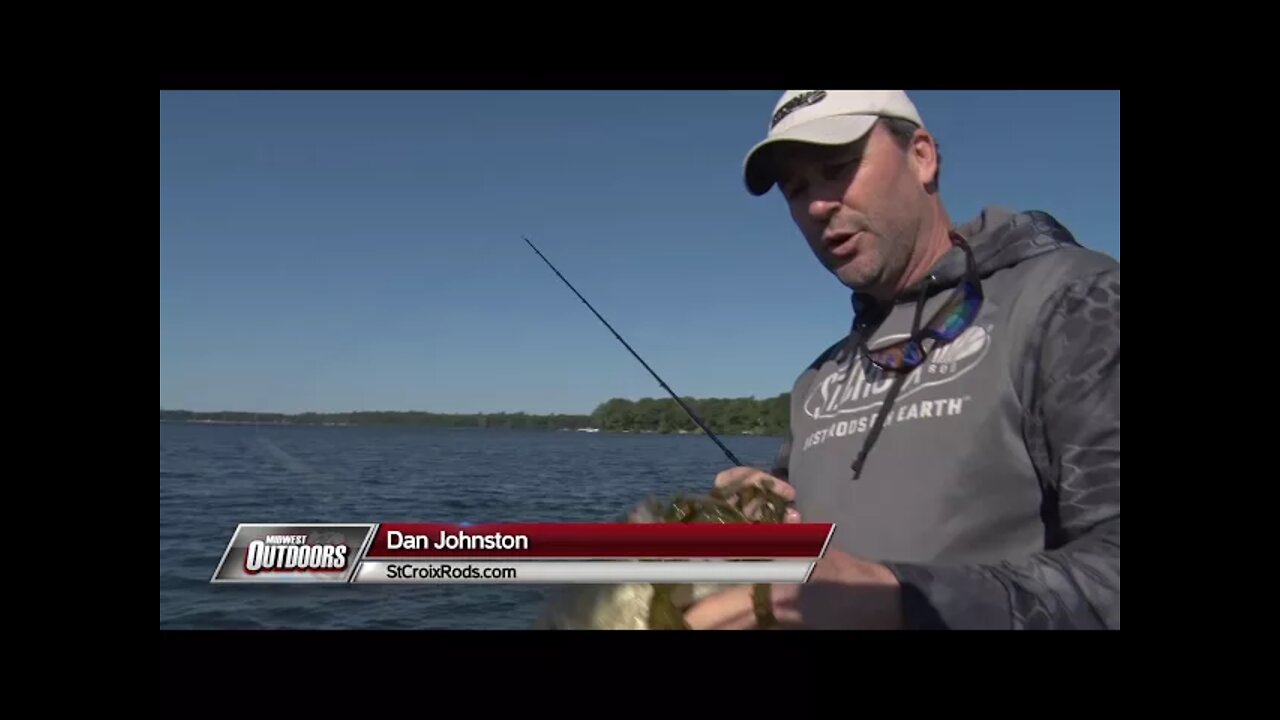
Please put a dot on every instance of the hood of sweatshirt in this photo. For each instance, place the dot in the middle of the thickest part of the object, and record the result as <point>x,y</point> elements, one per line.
<point>999,238</point>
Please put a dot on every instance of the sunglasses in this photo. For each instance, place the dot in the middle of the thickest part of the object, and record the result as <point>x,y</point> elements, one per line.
<point>953,318</point>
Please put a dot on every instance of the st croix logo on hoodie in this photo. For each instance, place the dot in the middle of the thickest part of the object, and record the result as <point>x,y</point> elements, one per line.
<point>850,399</point>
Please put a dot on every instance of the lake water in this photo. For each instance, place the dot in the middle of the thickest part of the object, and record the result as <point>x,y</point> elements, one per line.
<point>213,477</point>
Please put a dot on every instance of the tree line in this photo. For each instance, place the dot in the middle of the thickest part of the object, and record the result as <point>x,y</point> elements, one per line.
<point>731,416</point>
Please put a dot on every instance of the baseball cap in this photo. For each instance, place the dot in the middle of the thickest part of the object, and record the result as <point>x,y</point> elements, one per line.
<point>824,117</point>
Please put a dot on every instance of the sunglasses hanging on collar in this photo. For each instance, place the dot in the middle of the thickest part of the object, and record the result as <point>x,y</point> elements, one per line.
<point>952,319</point>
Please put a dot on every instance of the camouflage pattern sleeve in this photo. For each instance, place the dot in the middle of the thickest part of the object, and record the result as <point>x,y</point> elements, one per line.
<point>1071,395</point>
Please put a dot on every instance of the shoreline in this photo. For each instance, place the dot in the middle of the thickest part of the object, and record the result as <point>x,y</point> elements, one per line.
<point>267,423</point>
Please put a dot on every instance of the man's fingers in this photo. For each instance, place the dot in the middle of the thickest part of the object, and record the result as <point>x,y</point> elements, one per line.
<point>734,609</point>
<point>743,476</point>
<point>730,609</point>
<point>735,479</point>
<point>734,476</point>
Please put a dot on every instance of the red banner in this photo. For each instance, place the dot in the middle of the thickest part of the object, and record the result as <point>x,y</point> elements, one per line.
<point>600,540</point>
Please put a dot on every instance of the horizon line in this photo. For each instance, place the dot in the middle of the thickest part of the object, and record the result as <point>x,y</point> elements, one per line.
<point>660,398</point>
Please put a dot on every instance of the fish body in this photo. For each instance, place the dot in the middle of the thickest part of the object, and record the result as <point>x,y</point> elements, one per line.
<point>646,606</point>
<point>623,606</point>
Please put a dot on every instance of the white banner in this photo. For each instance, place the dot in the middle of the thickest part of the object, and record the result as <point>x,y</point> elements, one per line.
<point>584,571</point>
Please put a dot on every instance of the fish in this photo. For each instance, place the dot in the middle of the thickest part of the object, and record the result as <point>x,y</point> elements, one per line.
<point>626,606</point>
<point>649,606</point>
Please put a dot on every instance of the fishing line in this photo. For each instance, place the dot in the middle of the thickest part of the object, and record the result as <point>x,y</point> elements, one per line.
<point>688,411</point>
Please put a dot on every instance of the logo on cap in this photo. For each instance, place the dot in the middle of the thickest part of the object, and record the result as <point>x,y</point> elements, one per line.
<point>804,99</point>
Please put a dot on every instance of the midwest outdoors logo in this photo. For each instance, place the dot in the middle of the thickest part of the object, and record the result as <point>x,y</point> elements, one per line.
<point>301,553</point>
<point>847,392</point>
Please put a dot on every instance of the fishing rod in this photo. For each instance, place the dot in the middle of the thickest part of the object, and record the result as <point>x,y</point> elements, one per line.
<point>688,411</point>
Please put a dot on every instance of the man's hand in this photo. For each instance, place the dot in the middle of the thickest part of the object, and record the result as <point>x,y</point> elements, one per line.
<point>745,476</point>
<point>844,592</point>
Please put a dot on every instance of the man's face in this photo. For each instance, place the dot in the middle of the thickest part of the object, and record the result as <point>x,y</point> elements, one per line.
<point>859,207</point>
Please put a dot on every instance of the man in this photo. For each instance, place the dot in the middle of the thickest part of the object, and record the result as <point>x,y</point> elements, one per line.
<point>965,435</point>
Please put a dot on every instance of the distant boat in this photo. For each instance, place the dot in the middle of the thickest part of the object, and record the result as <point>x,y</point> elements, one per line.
<point>588,429</point>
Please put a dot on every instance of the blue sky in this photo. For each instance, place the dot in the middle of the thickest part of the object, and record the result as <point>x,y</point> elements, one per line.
<point>337,251</point>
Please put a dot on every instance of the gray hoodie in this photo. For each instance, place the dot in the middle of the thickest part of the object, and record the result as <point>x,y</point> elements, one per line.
<point>993,488</point>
